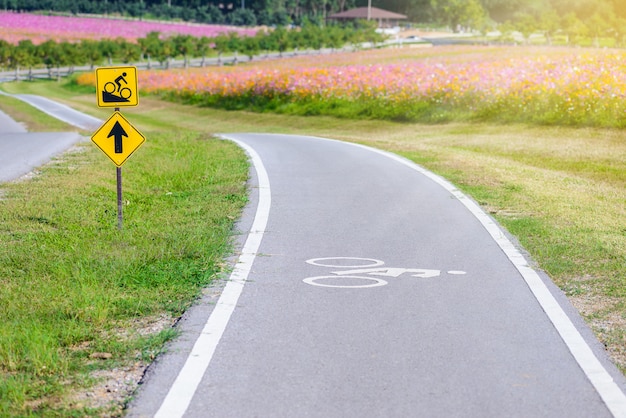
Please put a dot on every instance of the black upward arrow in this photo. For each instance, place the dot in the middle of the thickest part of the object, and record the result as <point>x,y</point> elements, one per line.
<point>118,132</point>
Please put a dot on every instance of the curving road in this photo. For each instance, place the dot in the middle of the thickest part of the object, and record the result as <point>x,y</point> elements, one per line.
<point>369,287</point>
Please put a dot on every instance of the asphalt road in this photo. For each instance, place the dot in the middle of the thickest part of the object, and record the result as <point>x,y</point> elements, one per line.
<point>368,287</point>
<point>21,152</point>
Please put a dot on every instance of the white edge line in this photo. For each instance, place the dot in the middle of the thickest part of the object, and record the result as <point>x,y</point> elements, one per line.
<point>179,397</point>
<point>607,388</point>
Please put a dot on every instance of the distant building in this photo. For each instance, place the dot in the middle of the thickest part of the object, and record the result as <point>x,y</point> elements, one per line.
<point>383,17</point>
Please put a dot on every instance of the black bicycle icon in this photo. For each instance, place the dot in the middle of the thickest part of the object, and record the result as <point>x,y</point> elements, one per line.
<point>114,92</point>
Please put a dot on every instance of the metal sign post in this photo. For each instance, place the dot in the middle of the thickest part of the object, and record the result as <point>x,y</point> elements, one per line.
<point>117,138</point>
<point>120,218</point>
<point>120,199</point>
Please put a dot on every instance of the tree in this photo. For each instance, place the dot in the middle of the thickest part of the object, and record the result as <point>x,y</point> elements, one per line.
<point>242,17</point>
<point>73,56</point>
<point>281,18</point>
<point>297,40</point>
<point>333,37</point>
<point>60,58</point>
<point>311,35</point>
<point>135,9</point>
<point>582,9</point>
<point>208,14</point>
<point>526,25</point>
<point>165,52</point>
<point>250,46</point>
<point>221,44</point>
<point>234,44</point>
<point>550,23</point>
<point>92,52</point>
<point>602,22</point>
<point>184,45</point>
<point>128,51</point>
<point>416,10</point>
<point>109,49</point>
<point>574,27</point>
<point>504,10</point>
<point>507,30</point>
<point>6,50</point>
<point>598,26</point>
<point>24,56</point>
<point>265,42</point>
<point>264,17</point>
<point>459,14</point>
<point>46,52</point>
<point>280,39</point>
<point>150,46</point>
<point>474,15</point>
<point>367,32</point>
<point>203,46</point>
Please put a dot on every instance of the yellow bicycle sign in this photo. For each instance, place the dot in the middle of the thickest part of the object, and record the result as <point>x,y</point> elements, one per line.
<point>117,86</point>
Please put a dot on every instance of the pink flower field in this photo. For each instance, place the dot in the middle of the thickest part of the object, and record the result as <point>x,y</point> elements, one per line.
<point>38,28</point>
<point>544,85</point>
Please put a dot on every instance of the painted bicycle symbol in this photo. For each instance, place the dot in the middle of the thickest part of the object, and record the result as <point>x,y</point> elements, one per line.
<point>114,92</point>
<point>360,270</point>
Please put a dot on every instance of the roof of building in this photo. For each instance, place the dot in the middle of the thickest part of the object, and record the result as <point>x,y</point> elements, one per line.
<point>361,13</point>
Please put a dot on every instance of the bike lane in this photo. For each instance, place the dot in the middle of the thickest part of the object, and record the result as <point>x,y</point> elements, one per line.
<point>375,291</point>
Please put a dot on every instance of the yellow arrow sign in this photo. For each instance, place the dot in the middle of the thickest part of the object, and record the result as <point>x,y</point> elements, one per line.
<point>117,86</point>
<point>118,139</point>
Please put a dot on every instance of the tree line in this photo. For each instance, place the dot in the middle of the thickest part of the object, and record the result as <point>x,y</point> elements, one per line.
<point>152,48</point>
<point>574,18</point>
<point>283,12</point>
<point>233,12</point>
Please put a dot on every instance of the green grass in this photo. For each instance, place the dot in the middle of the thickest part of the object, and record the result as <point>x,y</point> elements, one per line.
<point>548,110</point>
<point>559,190</point>
<point>73,285</point>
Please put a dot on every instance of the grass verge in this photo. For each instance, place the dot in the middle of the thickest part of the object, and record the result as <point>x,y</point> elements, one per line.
<point>77,294</point>
<point>559,190</point>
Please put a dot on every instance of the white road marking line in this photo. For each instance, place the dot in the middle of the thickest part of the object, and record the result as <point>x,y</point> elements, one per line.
<point>314,282</point>
<point>323,262</point>
<point>392,272</point>
<point>184,387</point>
<point>609,391</point>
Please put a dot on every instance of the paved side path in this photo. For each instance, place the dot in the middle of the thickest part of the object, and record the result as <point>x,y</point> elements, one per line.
<point>368,287</point>
<point>8,125</point>
<point>21,152</point>
<point>59,111</point>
